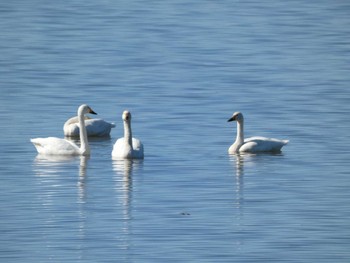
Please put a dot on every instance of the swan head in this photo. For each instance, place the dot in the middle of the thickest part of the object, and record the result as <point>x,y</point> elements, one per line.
<point>84,109</point>
<point>126,116</point>
<point>237,116</point>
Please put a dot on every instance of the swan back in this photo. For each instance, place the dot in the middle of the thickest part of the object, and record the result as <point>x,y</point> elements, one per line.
<point>262,144</point>
<point>55,146</point>
<point>94,127</point>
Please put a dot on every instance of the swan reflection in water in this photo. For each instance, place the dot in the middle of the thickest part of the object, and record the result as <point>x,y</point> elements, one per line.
<point>242,162</point>
<point>54,173</point>
<point>53,165</point>
<point>125,169</point>
<point>49,167</point>
<point>238,162</point>
<point>82,177</point>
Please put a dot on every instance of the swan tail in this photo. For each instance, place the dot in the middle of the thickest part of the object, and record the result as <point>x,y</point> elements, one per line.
<point>37,144</point>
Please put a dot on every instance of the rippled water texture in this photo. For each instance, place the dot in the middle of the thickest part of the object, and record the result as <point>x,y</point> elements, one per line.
<point>182,68</point>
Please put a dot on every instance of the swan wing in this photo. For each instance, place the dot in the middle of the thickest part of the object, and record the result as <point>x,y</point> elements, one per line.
<point>98,127</point>
<point>71,127</point>
<point>94,127</point>
<point>137,148</point>
<point>137,144</point>
<point>55,146</point>
<point>262,144</point>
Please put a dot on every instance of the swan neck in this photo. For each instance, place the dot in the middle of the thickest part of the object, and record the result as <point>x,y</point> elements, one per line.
<point>127,133</point>
<point>84,145</point>
<point>240,133</point>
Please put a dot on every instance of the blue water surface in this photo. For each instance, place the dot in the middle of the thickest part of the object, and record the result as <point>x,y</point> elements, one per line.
<point>182,68</point>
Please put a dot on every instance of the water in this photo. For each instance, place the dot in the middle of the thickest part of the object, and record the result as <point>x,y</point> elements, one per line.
<point>182,68</point>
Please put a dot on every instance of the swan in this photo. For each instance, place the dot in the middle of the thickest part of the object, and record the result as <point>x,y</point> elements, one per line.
<point>58,146</point>
<point>94,127</point>
<point>127,147</point>
<point>253,144</point>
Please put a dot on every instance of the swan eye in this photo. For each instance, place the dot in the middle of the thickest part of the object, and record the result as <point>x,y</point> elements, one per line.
<point>236,117</point>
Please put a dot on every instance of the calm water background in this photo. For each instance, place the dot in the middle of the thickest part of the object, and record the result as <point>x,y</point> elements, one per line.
<point>182,68</point>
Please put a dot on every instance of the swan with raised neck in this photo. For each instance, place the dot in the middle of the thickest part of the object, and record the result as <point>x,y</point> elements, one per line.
<point>58,146</point>
<point>252,144</point>
<point>128,147</point>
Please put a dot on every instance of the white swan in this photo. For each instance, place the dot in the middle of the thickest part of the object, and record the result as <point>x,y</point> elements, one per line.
<point>57,146</point>
<point>253,144</point>
<point>94,127</point>
<point>127,147</point>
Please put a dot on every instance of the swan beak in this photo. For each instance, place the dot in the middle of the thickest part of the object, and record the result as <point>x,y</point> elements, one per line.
<point>92,112</point>
<point>233,118</point>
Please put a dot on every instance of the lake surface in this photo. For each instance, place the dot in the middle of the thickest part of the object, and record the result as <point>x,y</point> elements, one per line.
<point>182,68</point>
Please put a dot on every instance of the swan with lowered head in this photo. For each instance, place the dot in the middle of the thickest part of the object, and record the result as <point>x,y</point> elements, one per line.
<point>58,146</point>
<point>253,144</point>
<point>94,127</point>
<point>127,147</point>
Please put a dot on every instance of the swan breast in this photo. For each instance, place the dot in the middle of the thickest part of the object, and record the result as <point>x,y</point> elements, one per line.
<point>121,149</point>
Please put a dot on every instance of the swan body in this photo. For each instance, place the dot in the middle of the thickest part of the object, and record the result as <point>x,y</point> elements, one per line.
<point>253,144</point>
<point>58,146</point>
<point>94,127</point>
<point>127,147</point>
